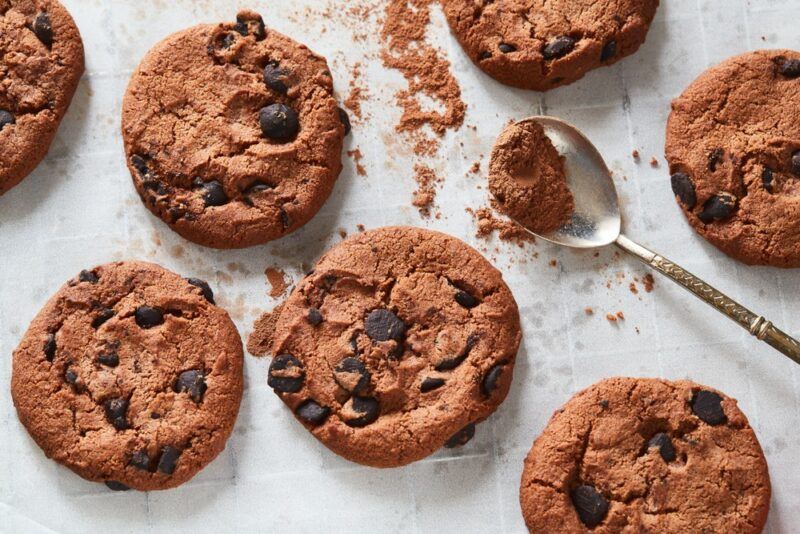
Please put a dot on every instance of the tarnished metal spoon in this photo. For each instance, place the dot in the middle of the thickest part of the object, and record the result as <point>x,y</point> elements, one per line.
<point>596,222</point>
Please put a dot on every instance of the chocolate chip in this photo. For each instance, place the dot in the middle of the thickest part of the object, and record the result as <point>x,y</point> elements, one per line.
<point>71,377</point>
<point>257,187</point>
<point>168,460</point>
<point>609,51</point>
<point>103,315</point>
<point>714,158</point>
<point>193,382</point>
<point>367,409</point>
<point>345,118</point>
<point>279,122</point>
<point>221,41</point>
<point>603,403</point>
<point>155,415</point>
<point>6,117</point>
<point>559,47</point>
<point>311,412</point>
<point>430,383</point>
<point>707,405</point>
<point>507,48</point>
<point>43,29</point>
<point>140,164</point>
<point>116,412</point>
<point>489,383</point>
<point>250,24</point>
<point>314,317</point>
<point>484,55</point>
<point>683,188</point>
<point>155,186</point>
<point>452,363</point>
<point>664,444</point>
<point>286,374</point>
<point>148,317</point>
<point>796,162</point>
<point>285,219</point>
<point>352,375</point>
<point>214,194</point>
<point>87,276</point>
<point>274,77</point>
<point>113,485</point>
<point>383,325</point>
<point>465,299</point>
<point>49,347</point>
<point>590,505</point>
<point>109,359</point>
<point>768,179</point>
<point>789,67</point>
<point>718,208</point>
<point>140,460</point>
<point>461,437</point>
<point>205,289</point>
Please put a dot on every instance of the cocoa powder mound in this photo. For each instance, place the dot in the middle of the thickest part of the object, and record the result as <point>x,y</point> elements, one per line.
<point>423,67</point>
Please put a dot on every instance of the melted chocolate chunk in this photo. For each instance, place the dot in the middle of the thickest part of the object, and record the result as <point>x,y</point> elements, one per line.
<point>796,163</point>
<point>664,444</point>
<point>116,412</point>
<point>383,325</point>
<point>609,51</point>
<point>789,67</point>
<point>314,317</point>
<point>431,383</point>
<point>250,24</point>
<point>313,413</point>
<point>214,194</point>
<point>714,158</point>
<point>102,316</point>
<point>718,208</point>
<point>87,276</point>
<point>352,375</point>
<point>683,188</point>
<point>367,409</point>
<point>109,359</point>
<point>507,48</point>
<point>140,460</point>
<point>148,316</point>
<point>590,505</point>
<point>465,299</point>
<point>140,164</point>
<point>205,289</point>
<point>6,117</point>
<point>113,485</point>
<point>49,347</point>
<point>192,382</point>
<point>768,179</point>
<point>71,377</point>
<point>559,47</point>
<point>345,119</point>
<point>279,122</point>
<point>43,28</point>
<point>257,187</point>
<point>286,374</point>
<point>452,363</point>
<point>461,437</point>
<point>489,382</point>
<point>275,77</point>
<point>707,405</point>
<point>168,460</point>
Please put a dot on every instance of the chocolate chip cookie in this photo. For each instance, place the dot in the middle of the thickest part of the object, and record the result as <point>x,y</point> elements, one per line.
<point>733,146</point>
<point>646,455</point>
<point>397,344</point>
<point>232,134</point>
<point>131,376</point>
<point>526,176</point>
<point>533,44</point>
<point>40,65</point>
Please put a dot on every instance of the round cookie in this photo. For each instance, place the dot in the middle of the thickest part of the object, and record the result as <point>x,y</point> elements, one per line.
<point>733,146</point>
<point>539,45</point>
<point>646,455</point>
<point>397,343</point>
<point>130,375</point>
<point>232,134</point>
<point>41,64</point>
<point>526,177</point>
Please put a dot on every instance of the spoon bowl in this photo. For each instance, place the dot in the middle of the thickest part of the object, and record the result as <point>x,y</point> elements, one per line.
<point>596,219</point>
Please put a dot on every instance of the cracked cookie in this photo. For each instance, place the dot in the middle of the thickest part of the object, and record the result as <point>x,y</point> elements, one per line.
<point>396,344</point>
<point>537,44</point>
<point>646,455</point>
<point>130,375</point>
<point>733,146</point>
<point>40,66</point>
<point>232,134</point>
<point>526,177</point>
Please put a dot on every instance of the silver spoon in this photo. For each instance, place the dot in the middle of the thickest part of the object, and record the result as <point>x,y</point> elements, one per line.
<point>596,222</point>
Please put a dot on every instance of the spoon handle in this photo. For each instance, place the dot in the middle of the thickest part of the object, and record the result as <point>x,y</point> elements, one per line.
<point>755,324</point>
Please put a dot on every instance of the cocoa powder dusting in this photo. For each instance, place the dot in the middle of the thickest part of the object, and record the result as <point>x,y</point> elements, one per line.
<point>424,196</point>
<point>649,282</point>
<point>357,92</point>
<point>259,343</point>
<point>357,157</point>
<point>277,282</point>
<point>506,229</point>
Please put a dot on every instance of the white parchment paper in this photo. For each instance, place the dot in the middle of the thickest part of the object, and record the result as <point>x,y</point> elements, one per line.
<point>79,209</point>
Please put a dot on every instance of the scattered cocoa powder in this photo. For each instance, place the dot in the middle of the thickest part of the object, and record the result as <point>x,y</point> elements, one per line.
<point>649,282</point>
<point>506,229</point>
<point>635,155</point>
<point>611,318</point>
<point>653,162</point>
<point>277,281</point>
<point>259,343</point>
<point>342,233</point>
<point>634,289</point>
<point>357,91</point>
<point>620,316</point>
<point>553,263</point>
<point>357,157</point>
<point>424,196</point>
<point>360,227</point>
<point>588,311</point>
<point>476,168</point>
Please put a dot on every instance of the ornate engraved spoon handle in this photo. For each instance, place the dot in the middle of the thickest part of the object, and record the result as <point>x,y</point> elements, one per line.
<point>755,324</point>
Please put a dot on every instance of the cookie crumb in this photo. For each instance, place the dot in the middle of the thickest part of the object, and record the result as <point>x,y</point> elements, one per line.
<point>653,162</point>
<point>649,282</point>
<point>342,233</point>
<point>635,155</point>
<point>425,194</point>
<point>360,227</point>
<point>357,156</point>
<point>620,316</point>
<point>277,281</point>
<point>611,317</point>
<point>633,288</point>
<point>588,311</point>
